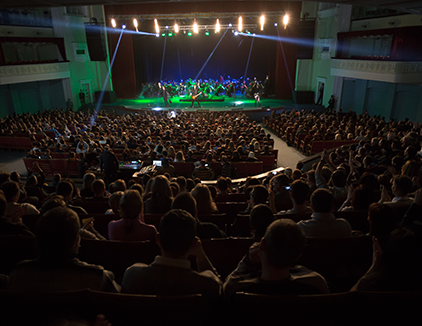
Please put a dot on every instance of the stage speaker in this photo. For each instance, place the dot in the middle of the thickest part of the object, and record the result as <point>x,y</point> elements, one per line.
<point>306,34</point>
<point>109,97</point>
<point>95,40</point>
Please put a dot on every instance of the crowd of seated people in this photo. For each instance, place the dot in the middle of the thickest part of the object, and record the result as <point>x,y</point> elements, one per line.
<point>379,177</point>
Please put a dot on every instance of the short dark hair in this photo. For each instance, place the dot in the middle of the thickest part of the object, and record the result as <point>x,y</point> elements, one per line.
<point>403,183</point>
<point>177,231</point>
<point>322,201</point>
<point>382,219</point>
<point>10,189</point>
<point>284,241</point>
<point>261,217</point>
<point>98,186</point>
<point>299,190</point>
<point>64,188</point>
<point>185,201</point>
<point>222,184</point>
<point>56,231</point>
<point>339,178</point>
<point>259,194</point>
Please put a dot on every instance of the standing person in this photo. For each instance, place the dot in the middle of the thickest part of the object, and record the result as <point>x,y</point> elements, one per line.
<point>165,94</point>
<point>331,103</point>
<point>257,97</point>
<point>69,105</point>
<point>195,96</point>
<point>82,97</point>
<point>110,165</point>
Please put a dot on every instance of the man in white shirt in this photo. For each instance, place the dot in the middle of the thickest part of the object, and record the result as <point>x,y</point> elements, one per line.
<point>12,192</point>
<point>402,185</point>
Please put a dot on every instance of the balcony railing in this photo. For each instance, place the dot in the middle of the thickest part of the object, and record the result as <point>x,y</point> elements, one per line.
<point>12,74</point>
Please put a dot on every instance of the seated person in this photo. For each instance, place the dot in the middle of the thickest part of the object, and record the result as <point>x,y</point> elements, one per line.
<point>397,267</point>
<point>114,203</point>
<point>299,191</point>
<point>57,269</point>
<point>131,227</point>
<point>170,273</point>
<point>260,218</point>
<point>99,190</point>
<point>269,268</point>
<point>323,223</point>
<point>12,192</point>
<point>12,225</point>
<point>402,185</point>
<point>203,172</point>
<point>65,189</point>
<point>88,179</point>
<point>205,230</point>
<point>166,167</point>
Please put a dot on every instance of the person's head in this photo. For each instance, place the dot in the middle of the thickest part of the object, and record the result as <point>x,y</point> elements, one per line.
<point>98,188</point>
<point>53,202</point>
<point>88,179</point>
<point>161,187</point>
<point>65,189</point>
<point>131,205</point>
<point>57,232</point>
<point>137,187</point>
<point>3,203</point>
<point>119,185</point>
<point>177,233</point>
<point>185,201</point>
<point>382,220</point>
<point>222,184</point>
<point>322,201</point>
<point>57,177</point>
<point>181,180</point>
<point>370,180</point>
<point>259,195</point>
<point>402,185</point>
<point>338,178</point>
<point>299,191</point>
<point>363,196</point>
<point>279,181</point>
<point>282,244</point>
<point>204,201</point>
<point>11,191</point>
<point>114,201</point>
<point>261,217</point>
<point>5,176</point>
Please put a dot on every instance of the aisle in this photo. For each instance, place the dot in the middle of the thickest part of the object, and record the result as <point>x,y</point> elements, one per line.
<point>287,156</point>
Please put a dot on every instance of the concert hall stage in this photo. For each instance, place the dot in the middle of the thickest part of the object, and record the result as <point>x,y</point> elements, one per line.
<point>238,103</point>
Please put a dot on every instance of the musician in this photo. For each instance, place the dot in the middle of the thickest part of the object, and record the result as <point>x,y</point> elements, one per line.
<point>165,95</point>
<point>195,96</point>
<point>257,97</point>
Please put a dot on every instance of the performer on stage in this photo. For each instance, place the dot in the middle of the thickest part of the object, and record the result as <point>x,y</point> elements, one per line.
<point>195,96</point>
<point>165,95</point>
<point>257,97</point>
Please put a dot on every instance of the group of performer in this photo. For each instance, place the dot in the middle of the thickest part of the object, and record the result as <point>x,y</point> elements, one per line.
<point>208,89</point>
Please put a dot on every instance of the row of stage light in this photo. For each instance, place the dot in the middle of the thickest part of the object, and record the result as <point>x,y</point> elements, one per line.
<point>190,29</point>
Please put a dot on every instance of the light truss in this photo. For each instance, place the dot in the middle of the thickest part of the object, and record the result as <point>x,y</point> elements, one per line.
<point>200,15</point>
<point>207,27</point>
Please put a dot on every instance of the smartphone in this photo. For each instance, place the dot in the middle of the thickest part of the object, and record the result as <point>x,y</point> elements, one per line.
<point>288,188</point>
<point>274,173</point>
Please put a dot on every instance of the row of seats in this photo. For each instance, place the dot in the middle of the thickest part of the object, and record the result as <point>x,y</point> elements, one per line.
<point>342,261</point>
<point>352,308</point>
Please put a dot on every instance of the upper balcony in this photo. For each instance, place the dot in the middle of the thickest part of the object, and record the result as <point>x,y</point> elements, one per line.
<point>389,55</point>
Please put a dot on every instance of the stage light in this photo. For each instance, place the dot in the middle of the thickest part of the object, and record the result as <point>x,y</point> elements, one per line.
<point>195,28</point>
<point>170,34</point>
<point>163,34</point>
<point>123,26</point>
<point>157,28</point>
<point>239,27</point>
<point>157,35</point>
<point>286,20</point>
<point>207,33</point>
<point>236,33</point>
<point>262,20</point>
<point>247,32</point>
<point>275,24</point>
<point>167,27</point>
<point>230,25</point>
<point>217,26</point>
<point>189,33</point>
<point>176,28</point>
<point>135,22</point>
<point>113,23</point>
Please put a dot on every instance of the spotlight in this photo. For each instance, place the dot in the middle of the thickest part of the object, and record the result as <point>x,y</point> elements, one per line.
<point>236,33</point>
<point>217,26</point>
<point>135,22</point>
<point>189,33</point>
<point>286,20</point>
<point>157,28</point>
<point>230,25</point>
<point>167,27</point>
<point>239,27</point>
<point>170,34</point>
<point>157,35</point>
<point>113,23</point>
<point>123,26</point>
<point>163,34</point>
<point>207,33</point>
<point>262,20</point>
<point>275,24</point>
<point>176,28</point>
<point>195,28</point>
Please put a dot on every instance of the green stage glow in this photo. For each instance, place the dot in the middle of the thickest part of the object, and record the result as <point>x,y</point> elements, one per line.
<point>164,34</point>
<point>248,32</point>
<point>207,33</point>
<point>170,34</point>
<point>189,33</point>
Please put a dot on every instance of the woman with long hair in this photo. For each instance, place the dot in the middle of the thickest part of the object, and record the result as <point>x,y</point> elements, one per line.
<point>131,226</point>
<point>205,204</point>
<point>161,196</point>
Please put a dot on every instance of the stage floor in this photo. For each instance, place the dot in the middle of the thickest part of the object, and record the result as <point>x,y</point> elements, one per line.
<point>228,104</point>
